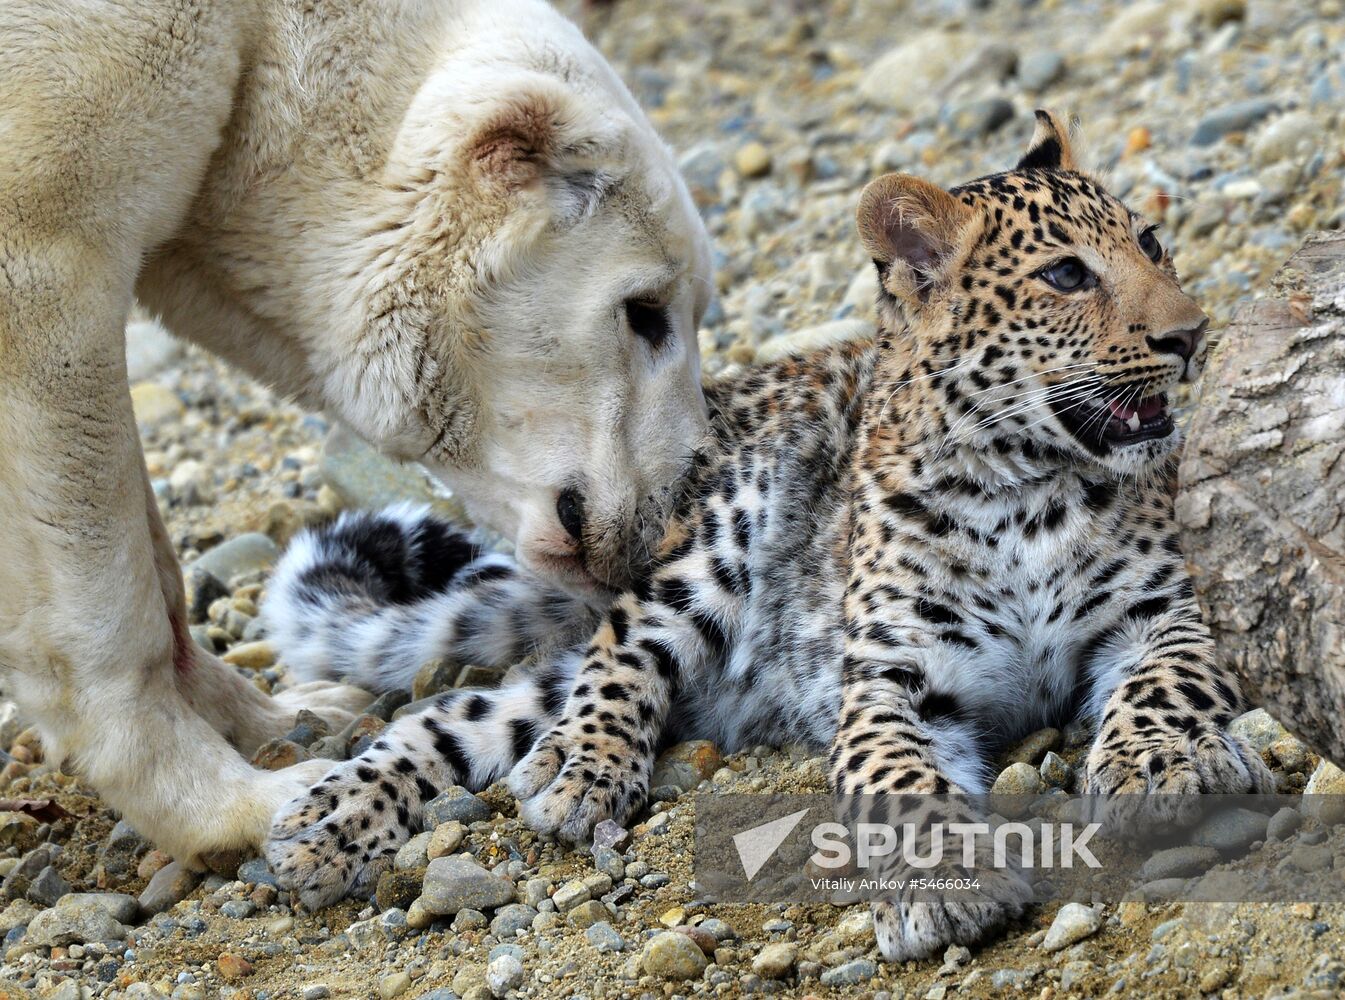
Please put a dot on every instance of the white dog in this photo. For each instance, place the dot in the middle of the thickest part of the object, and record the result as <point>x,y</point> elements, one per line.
<point>444,221</point>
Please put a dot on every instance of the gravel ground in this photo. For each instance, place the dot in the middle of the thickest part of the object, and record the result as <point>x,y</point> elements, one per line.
<point>1221,118</point>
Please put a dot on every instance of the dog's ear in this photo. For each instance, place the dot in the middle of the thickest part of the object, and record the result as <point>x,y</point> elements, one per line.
<point>542,135</point>
<point>912,230</point>
<point>1050,148</point>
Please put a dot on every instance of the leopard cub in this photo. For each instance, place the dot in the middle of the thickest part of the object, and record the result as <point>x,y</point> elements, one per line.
<point>910,552</point>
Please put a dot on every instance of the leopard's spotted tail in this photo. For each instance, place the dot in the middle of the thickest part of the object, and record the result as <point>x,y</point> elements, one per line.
<point>374,596</point>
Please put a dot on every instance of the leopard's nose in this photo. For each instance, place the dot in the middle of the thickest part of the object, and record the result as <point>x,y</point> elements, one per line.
<point>1184,342</point>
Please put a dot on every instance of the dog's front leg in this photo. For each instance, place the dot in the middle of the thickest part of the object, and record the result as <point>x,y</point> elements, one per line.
<point>93,640</point>
<point>235,708</point>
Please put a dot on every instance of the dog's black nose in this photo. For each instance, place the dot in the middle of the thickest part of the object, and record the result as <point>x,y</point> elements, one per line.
<point>570,512</point>
<point>1182,343</point>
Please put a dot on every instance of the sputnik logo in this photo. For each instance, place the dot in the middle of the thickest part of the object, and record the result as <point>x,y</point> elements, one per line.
<point>757,845</point>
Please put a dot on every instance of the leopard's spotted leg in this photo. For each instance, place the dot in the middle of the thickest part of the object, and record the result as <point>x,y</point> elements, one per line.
<point>1161,703</point>
<point>886,759</point>
<point>585,729</point>
<point>596,760</point>
<point>340,835</point>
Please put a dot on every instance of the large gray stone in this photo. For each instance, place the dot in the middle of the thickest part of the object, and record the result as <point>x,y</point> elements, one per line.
<point>76,923</point>
<point>121,907</point>
<point>905,76</point>
<point>1231,830</point>
<point>504,974</point>
<point>850,973</point>
<point>510,919</point>
<point>1179,862</point>
<point>30,866</point>
<point>238,556</point>
<point>455,805</point>
<point>1039,69</point>
<point>1231,118</point>
<point>1258,728</point>
<point>48,887</point>
<point>364,478</point>
<point>1324,795</point>
<point>457,882</point>
<point>171,883</point>
<point>1262,496</point>
<point>977,118</point>
<point>19,913</point>
<point>604,937</point>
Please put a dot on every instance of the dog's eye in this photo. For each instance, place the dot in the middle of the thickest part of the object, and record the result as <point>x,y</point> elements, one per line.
<point>1150,245</point>
<point>1068,275</point>
<point>647,321</point>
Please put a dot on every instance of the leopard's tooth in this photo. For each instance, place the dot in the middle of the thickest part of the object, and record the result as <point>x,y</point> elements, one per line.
<point>1134,422</point>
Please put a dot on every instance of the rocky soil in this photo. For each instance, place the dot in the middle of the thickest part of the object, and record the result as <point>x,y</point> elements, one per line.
<point>1219,118</point>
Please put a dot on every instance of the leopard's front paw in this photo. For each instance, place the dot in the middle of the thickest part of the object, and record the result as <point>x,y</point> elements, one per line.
<point>571,781</point>
<point>339,836</point>
<point>1161,776</point>
<point>950,903</point>
<point>918,925</point>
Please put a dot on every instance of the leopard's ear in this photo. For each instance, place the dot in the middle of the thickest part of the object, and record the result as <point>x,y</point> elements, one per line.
<point>912,230</point>
<point>1050,146</point>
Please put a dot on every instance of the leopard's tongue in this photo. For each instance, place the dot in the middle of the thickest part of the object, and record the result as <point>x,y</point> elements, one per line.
<point>1151,407</point>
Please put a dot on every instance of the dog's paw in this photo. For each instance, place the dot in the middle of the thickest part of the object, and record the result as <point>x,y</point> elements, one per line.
<point>571,781</point>
<point>1158,779</point>
<point>336,838</point>
<point>240,814</point>
<point>337,704</point>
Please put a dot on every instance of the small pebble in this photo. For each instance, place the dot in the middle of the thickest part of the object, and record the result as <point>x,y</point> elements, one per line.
<point>752,160</point>
<point>775,961</point>
<point>604,937</point>
<point>850,973</point>
<point>673,956</point>
<point>1073,923</point>
<point>504,973</point>
<point>232,966</point>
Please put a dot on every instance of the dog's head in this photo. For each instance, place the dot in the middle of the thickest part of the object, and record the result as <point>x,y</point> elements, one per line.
<point>549,258</point>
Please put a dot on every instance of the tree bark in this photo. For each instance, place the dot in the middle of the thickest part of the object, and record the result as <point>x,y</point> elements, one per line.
<point>1262,496</point>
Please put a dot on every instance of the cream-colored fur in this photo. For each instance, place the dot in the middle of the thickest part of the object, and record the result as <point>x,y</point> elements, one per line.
<point>423,216</point>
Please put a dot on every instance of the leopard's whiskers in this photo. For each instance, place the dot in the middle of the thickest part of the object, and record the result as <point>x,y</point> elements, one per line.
<point>979,406</point>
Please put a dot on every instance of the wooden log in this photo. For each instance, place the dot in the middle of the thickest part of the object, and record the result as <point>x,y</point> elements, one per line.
<point>1262,496</point>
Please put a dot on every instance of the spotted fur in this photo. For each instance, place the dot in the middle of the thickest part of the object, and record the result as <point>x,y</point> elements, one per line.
<point>910,552</point>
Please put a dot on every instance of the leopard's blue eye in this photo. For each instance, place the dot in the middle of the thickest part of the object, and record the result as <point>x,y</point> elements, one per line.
<point>1150,245</point>
<point>1069,275</point>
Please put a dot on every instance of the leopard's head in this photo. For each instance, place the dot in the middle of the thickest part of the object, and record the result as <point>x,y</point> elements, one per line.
<point>1043,309</point>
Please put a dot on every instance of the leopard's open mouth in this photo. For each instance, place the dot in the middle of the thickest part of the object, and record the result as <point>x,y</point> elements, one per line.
<point>1103,424</point>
